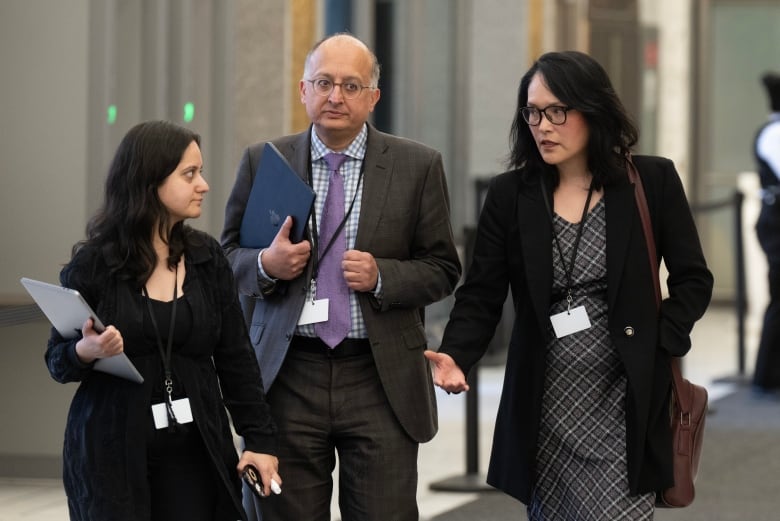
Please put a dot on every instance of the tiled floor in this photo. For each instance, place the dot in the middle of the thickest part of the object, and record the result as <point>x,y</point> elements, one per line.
<point>714,356</point>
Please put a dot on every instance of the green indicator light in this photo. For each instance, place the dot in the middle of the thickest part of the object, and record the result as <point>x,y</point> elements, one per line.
<point>189,111</point>
<point>111,114</point>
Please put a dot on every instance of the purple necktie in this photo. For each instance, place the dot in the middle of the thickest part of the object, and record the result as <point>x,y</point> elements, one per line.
<point>330,275</point>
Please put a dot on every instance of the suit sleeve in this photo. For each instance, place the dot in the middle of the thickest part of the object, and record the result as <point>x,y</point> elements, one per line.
<point>61,358</point>
<point>479,301</point>
<point>432,268</point>
<point>689,282</point>
<point>239,375</point>
<point>242,260</point>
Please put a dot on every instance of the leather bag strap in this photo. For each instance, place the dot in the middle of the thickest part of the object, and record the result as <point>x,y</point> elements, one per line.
<point>644,214</point>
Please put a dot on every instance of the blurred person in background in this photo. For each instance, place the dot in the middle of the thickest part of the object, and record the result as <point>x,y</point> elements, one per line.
<point>766,377</point>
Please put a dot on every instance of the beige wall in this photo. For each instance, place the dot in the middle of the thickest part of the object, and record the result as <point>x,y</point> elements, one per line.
<point>43,110</point>
<point>33,406</point>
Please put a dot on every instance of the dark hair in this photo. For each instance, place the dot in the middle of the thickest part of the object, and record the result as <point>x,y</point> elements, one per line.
<point>581,83</point>
<point>772,83</point>
<point>123,226</point>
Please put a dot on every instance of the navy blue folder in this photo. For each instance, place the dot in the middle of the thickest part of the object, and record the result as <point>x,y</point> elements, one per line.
<point>277,191</point>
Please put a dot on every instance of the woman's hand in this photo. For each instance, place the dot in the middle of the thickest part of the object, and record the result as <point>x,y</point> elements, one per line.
<point>267,466</point>
<point>446,373</point>
<point>94,345</point>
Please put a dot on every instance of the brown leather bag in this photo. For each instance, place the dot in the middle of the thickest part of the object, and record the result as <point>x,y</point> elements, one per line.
<point>688,412</point>
<point>688,407</point>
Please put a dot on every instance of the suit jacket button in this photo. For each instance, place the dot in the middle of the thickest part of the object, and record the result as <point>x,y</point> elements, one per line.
<point>628,330</point>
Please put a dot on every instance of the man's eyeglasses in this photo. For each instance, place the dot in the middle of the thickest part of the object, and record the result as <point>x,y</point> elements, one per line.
<point>555,114</point>
<point>350,90</point>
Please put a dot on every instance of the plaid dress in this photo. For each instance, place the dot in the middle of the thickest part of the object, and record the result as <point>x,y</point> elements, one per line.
<point>581,471</point>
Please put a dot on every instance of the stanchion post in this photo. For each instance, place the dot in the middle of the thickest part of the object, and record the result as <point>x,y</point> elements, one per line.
<point>740,281</point>
<point>472,423</point>
<point>735,203</point>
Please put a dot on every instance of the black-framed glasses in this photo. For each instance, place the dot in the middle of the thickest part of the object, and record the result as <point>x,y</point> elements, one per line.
<point>349,89</point>
<point>555,114</point>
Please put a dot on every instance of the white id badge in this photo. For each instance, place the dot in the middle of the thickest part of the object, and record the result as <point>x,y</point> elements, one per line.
<point>568,322</point>
<point>314,311</point>
<point>181,409</point>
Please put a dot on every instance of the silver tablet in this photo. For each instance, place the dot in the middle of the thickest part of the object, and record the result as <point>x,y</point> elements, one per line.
<point>67,310</point>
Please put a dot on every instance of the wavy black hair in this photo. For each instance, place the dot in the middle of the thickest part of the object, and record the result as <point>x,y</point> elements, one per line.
<point>581,83</point>
<point>131,209</point>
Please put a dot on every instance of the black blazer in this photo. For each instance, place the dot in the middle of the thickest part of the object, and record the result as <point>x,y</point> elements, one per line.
<point>104,450</point>
<point>513,250</point>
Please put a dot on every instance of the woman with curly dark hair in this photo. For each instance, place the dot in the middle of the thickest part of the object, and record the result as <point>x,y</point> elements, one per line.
<point>583,430</point>
<point>162,449</point>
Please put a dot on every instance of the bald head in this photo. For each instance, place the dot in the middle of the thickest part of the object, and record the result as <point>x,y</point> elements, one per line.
<point>339,89</point>
<point>343,41</point>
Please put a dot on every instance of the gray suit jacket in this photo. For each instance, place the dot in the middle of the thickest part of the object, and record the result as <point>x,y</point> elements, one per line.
<point>404,223</point>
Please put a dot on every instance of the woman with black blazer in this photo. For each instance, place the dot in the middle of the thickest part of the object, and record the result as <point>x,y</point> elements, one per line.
<point>583,422</point>
<point>168,295</point>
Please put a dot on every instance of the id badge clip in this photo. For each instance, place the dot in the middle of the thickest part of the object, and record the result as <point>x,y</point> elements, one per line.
<point>570,321</point>
<point>181,409</point>
<point>314,310</point>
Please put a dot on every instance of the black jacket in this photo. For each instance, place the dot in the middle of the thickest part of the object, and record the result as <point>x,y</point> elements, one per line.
<point>104,455</point>
<point>513,250</point>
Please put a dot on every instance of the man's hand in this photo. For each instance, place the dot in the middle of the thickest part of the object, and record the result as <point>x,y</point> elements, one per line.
<point>283,259</point>
<point>360,270</point>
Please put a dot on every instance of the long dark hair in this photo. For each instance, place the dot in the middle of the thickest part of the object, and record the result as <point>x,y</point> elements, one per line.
<point>123,226</point>
<point>581,83</point>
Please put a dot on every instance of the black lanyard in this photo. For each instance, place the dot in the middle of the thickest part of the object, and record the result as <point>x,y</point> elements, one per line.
<point>315,234</point>
<point>568,270</point>
<point>165,354</point>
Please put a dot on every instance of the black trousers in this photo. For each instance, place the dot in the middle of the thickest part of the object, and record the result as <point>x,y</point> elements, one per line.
<point>767,371</point>
<point>327,403</point>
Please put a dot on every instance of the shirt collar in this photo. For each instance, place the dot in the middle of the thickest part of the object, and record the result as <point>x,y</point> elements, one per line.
<point>355,150</point>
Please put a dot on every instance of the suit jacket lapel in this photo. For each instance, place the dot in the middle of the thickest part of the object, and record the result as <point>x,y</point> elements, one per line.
<point>620,216</point>
<point>298,154</point>
<point>536,238</point>
<point>377,169</point>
